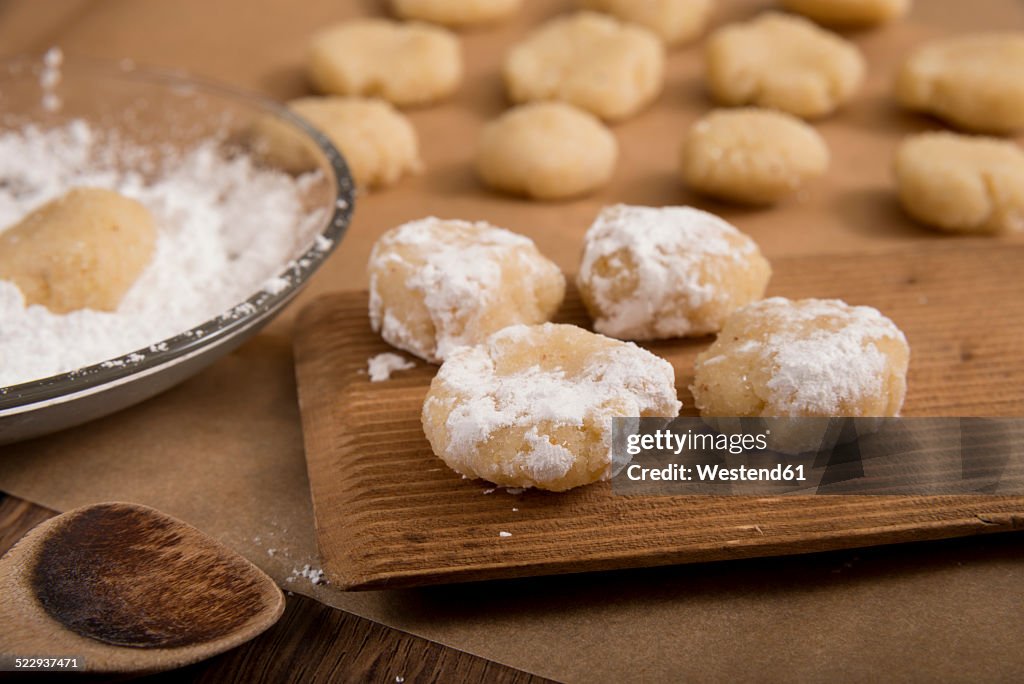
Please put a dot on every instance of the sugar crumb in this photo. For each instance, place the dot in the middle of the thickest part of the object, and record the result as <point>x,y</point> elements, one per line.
<point>381,366</point>
<point>314,575</point>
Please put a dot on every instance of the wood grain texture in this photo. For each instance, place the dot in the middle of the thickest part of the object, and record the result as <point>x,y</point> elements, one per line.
<point>390,514</point>
<point>130,590</point>
<point>311,643</point>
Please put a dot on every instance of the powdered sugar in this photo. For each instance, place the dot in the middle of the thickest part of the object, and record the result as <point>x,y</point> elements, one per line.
<point>457,267</point>
<point>619,379</point>
<point>314,575</point>
<point>822,353</point>
<point>545,460</point>
<point>381,366</point>
<point>225,227</point>
<point>659,251</point>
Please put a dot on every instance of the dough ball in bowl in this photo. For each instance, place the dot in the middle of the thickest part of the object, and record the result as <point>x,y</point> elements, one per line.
<point>652,273</point>
<point>974,82</point>
<point>547,151</point>
<point>83,250</point>
<point>533,405</point>
<point>783,62</point>
<point>962,183</point>
<point>379,144</point>
<point>436,285</point>
<point>751,156</point>
<point>810,357</point>
<point>404,63</point>
<point>456,13</point>
<point>590,60</point>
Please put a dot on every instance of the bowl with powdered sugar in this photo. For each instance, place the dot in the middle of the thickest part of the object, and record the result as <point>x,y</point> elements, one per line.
<point>143,234</point>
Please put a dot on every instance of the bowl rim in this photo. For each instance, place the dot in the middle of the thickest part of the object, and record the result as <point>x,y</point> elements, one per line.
<point>26,396</point>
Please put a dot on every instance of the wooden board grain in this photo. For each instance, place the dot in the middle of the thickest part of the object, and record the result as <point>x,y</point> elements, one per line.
<point>390,514</point>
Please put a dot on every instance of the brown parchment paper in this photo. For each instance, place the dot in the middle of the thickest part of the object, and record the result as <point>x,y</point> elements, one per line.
<point>223,451</point>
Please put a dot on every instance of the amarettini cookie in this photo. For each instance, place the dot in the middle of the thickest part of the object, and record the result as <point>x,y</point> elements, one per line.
<point>849,13</point>
<point>783,62</point>
<point>674,21</point>
<point>533,405</point>
<point>751,156</point>
<point>589,60</point>
<point>650,273</point>
<point>810,357</point>
<point>974,82</point>
<point>407,63</point>
<point>546,150</point>
<point>378,142</point>
<point>456,13</point>
<point>436,285</point>
<point>83,250</point>
<point>962,183</point>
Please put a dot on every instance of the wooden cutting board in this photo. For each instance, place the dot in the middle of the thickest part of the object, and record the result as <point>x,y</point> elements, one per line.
<point>391,514</point>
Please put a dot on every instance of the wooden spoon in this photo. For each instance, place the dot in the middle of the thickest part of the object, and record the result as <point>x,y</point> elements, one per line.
<point>129,589</point>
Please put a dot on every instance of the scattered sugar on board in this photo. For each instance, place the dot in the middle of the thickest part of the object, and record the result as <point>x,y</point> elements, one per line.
<point>314,575</point>
<point>381,366</point>
<point>225,228</point>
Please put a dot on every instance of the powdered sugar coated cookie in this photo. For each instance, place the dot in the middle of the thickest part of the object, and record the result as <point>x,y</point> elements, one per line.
<point>533,405</point>
<point>436,285</point>
<point>652,273</point>
<point>811,357</point>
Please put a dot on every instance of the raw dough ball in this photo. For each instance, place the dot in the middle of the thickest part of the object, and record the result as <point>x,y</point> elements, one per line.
<point>655,273</point>
<point>975,82</point>
<point>533,405</point>
<point>378,142</point>
<point>674,21</point>
<point>783,62</point>
<point>436,285</point>
<point>546,150</point>
<point>456,13</point>
<point>404,63</point>
<point>962,183</point>
<point>811,357</point>
<point>754,156</point>
<point>591,61</point>
<point>849,13</point>
<point>81,251</point>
